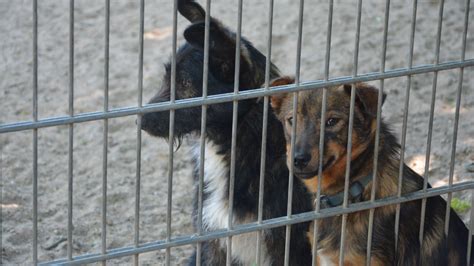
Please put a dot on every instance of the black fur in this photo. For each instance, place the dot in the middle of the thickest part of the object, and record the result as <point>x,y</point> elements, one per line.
<point>450,251</point>
<point>189,80</point>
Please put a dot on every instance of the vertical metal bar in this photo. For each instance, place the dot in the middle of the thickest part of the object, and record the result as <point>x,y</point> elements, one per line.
<point>293,131</point>
<point>170,183</point>
<point>171,132</point>
<point>264,132</point>
<point>320,171</point>
<point>290,185</point>
<point>377,134</point>
<point>456,118</point>
<point>71,128</point>
<point>430,129</point>
<point>433,97</point>
<point>136,240</point>
<point>471,222</point>
<point>35,132</point>
<point>234,132</point>
<point>202,140</point>
<point>322,131</point>
<point>425,181</point>
<point>349,137</point>
<point>106,129</point>
<point>405,120</point>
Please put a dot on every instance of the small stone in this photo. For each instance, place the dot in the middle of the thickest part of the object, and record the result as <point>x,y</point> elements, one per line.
<point>469,167</point>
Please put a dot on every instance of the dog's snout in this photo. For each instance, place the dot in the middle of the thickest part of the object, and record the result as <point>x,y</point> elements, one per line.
<point>302,159</point>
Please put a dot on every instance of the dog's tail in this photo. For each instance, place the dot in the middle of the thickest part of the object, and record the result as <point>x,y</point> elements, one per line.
<point>191,10</point>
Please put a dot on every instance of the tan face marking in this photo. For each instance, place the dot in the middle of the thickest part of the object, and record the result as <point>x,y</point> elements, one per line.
<point>308,126</point>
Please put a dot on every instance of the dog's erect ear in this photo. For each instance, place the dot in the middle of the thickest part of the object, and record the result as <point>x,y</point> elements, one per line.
<point>220,39</point>
<point>277,99</point>
<point>222,44</point>
<point>366,97</point>
<point>191,10</point>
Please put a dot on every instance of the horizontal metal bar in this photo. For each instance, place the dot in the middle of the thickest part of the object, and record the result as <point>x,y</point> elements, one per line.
<point>271,223</point>
<point>229,97</point>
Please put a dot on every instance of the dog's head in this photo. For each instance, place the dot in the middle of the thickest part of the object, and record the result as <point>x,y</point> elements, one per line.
<point>308,124</point>
<point>189,75</point>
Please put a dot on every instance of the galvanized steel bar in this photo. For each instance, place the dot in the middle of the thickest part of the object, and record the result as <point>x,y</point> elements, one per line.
<point>235,109</point>
<point>456,117</point>
<point>290,185</point>
<point>377,134</point>
<point>171,139</point>
<point>433,99</point>
<point>201,181</point>
<point>263,152</point>
<point>170,182</point>
<point>425,180</point>
<point>136,229</point>
<point>71,129</point>
<point>430,125</point>
<point>203,127</point>
<point>105,130</point>
<point>320,176</point>
<point>266,224</point>
<point>35,132</point>
<point>405,120</point>
<point>322,131</point>
<point>202,142</point>
<point>228,97</point>
<point>293,132</point>
<point>345,204</point>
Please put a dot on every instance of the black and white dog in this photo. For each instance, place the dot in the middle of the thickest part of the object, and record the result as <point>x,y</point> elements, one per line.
<point>189,79</point>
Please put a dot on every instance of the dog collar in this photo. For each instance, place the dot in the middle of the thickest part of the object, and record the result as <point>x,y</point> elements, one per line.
<point>355,193</point>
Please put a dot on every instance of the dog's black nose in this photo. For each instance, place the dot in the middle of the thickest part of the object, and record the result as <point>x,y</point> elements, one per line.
<point>302,159</point>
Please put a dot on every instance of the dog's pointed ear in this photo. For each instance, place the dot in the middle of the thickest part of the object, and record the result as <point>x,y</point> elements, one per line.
<point>276,100</point>
<point>366,97</point>
<point>191,10</point>
<point>221,40</point>
<point>222,43</point>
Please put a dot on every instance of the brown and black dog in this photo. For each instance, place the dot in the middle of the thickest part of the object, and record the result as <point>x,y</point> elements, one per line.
<point>436,249</point>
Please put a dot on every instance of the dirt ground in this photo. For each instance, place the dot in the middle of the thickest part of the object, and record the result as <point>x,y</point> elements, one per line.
<point>16,105</point>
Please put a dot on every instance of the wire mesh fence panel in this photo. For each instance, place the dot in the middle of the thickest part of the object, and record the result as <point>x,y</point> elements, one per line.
<point>234,81</point>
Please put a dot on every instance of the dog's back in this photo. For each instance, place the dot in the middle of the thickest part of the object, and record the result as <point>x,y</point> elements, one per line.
<point>436,248</point>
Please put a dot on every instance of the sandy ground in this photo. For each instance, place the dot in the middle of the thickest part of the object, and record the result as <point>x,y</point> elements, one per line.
<point>16,105</point>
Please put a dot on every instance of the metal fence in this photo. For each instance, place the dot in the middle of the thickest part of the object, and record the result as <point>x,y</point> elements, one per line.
<point>234,97</point>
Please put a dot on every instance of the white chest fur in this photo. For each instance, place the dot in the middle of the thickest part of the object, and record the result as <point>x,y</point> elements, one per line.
<point>215,213</point>
<point>323,259</point>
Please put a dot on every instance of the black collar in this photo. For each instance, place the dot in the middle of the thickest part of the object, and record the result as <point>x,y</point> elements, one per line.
<point>355,193</point>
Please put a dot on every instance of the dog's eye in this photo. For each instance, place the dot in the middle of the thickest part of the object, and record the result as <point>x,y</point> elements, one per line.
<point>290,120</point>
<point>331,122</point>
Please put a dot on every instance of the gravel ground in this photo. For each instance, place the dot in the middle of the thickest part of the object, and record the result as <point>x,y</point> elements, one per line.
<point>16,105</point>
